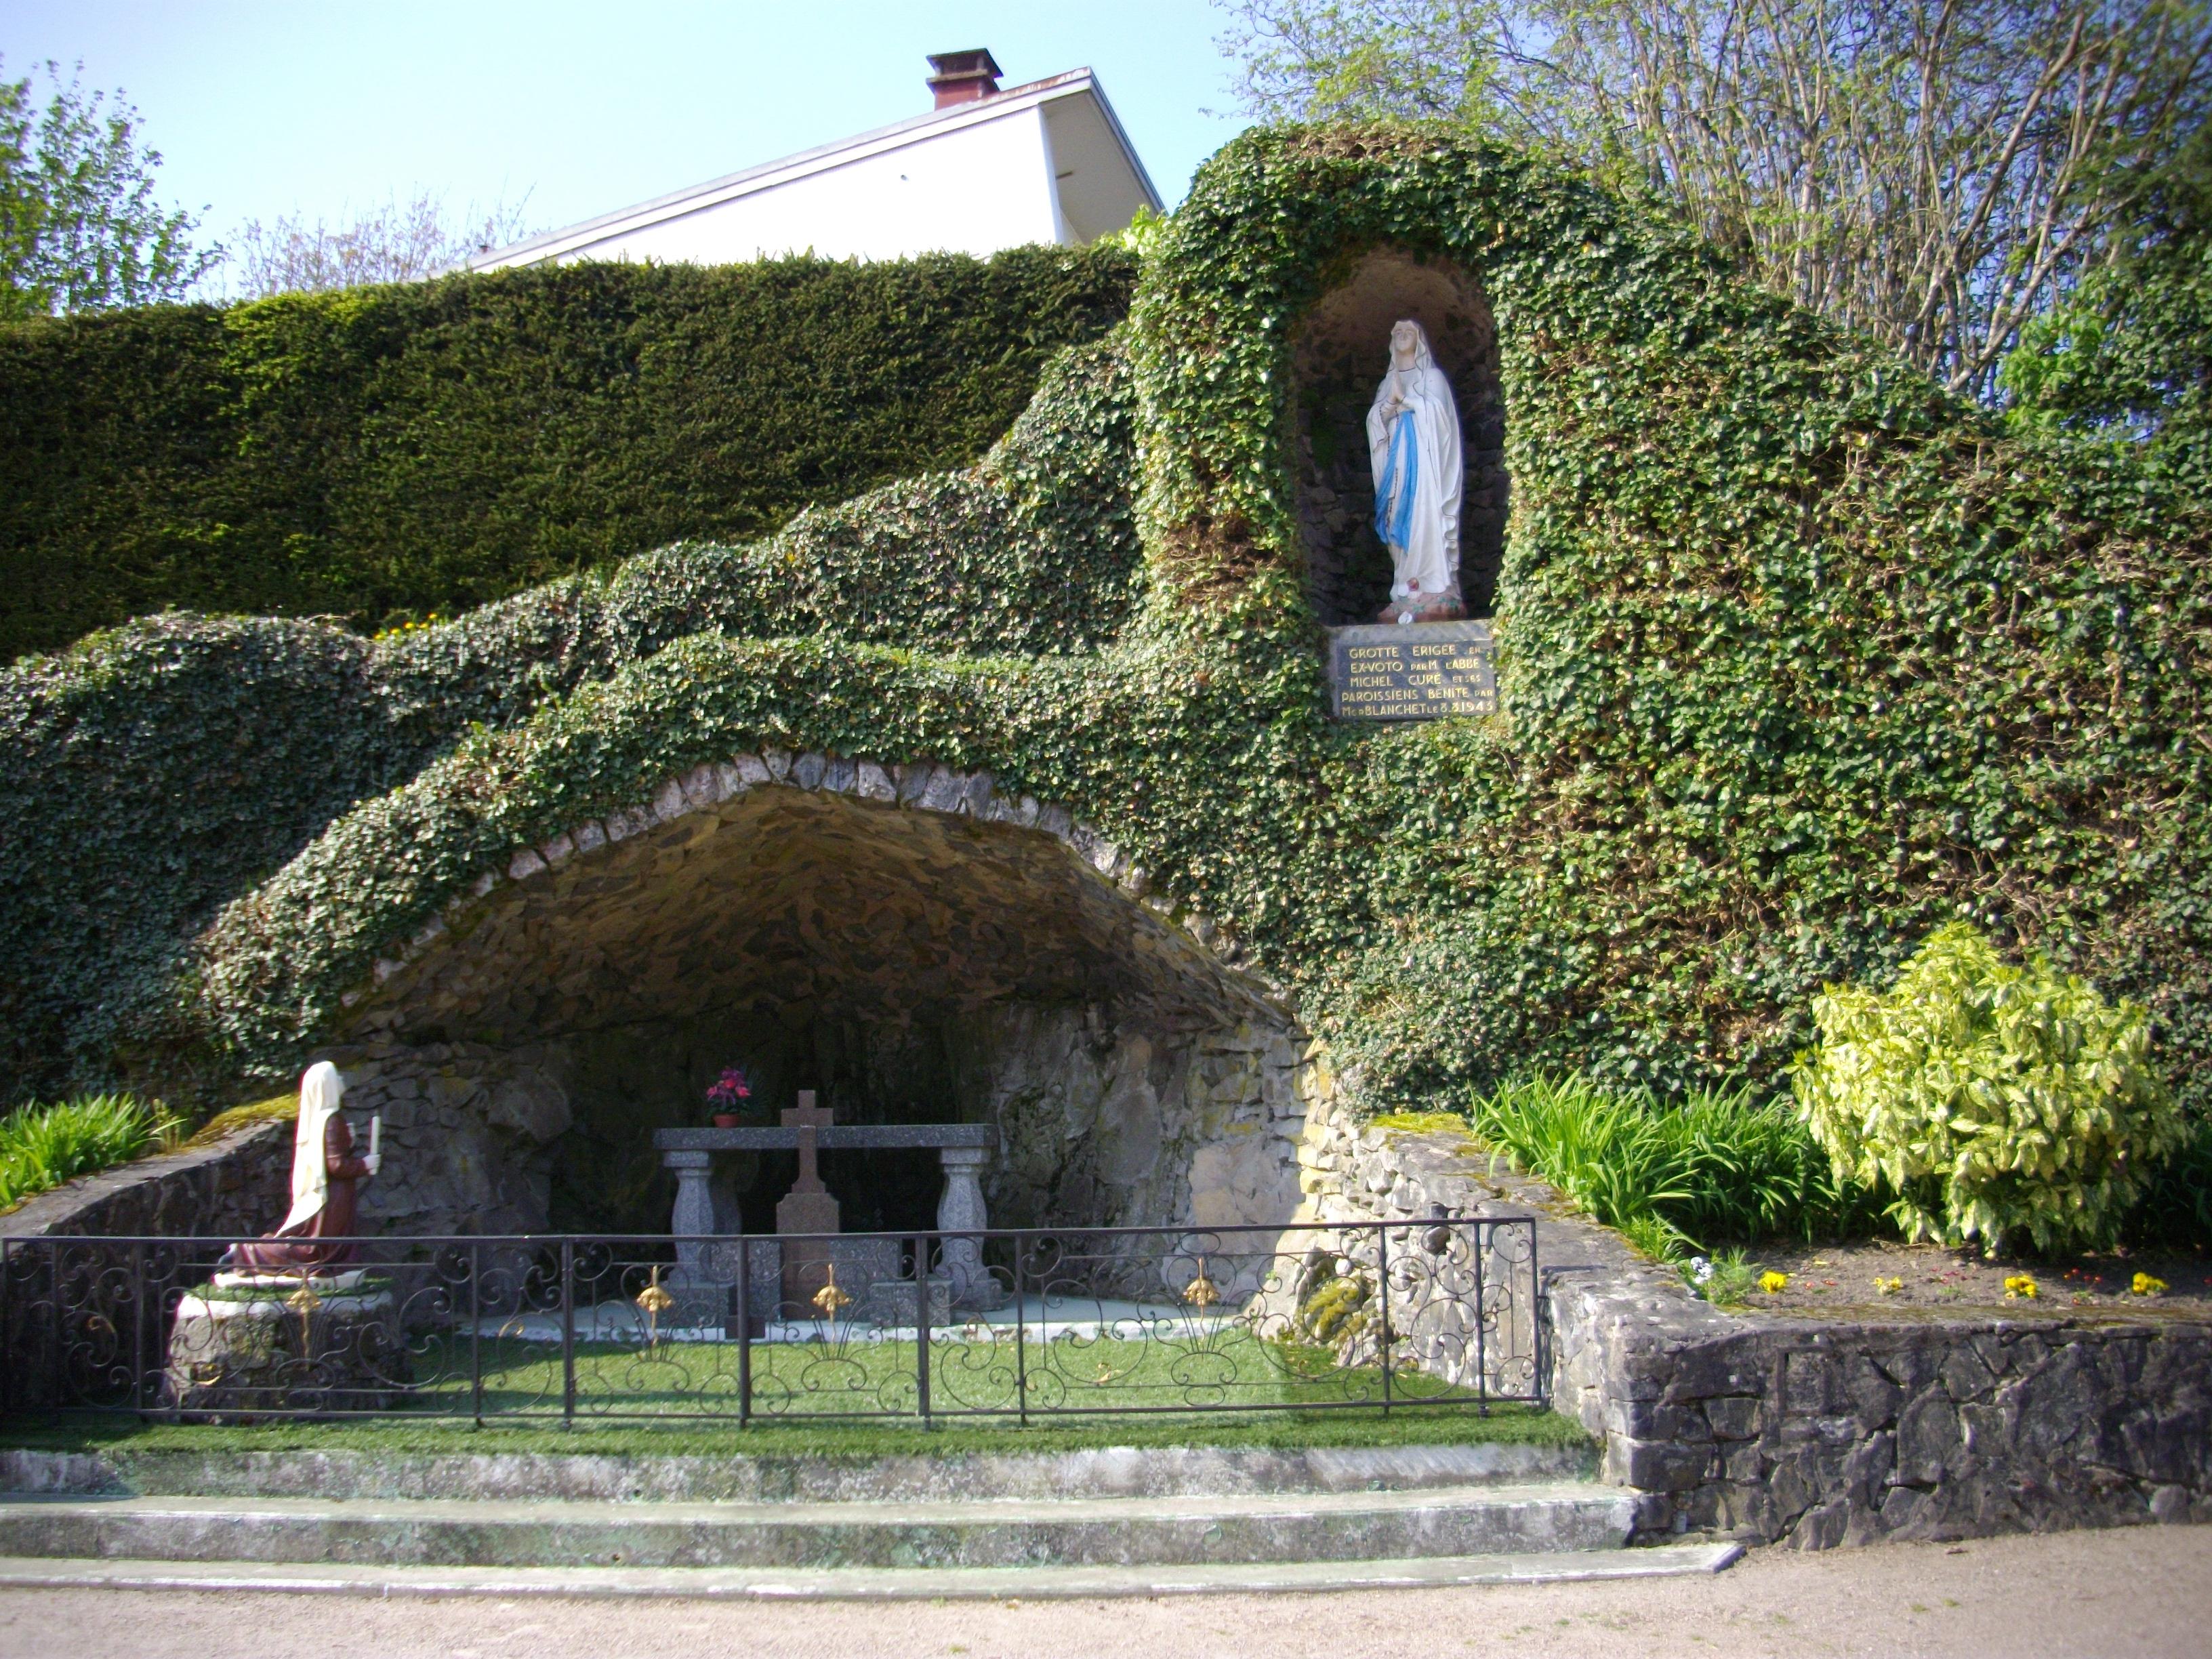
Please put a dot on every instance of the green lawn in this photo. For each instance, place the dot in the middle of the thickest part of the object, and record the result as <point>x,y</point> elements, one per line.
<point>1224,1369</point>
<point>805,1396</point>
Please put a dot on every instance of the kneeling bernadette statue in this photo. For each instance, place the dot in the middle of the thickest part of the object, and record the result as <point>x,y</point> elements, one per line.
<point>1412,442</point>
<point>291,1325</point>
<point>325,1182</point>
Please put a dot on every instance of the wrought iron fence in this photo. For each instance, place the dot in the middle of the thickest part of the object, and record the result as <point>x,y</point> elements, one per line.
<point>1439,1314</point>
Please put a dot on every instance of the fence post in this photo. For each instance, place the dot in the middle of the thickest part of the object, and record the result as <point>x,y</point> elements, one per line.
<point>745,1332</point>
<point>568,1332</point>
<point>1021,1351</point>
<point>1382,1279</point>
<point>1481,1349</point>
<point>137,1324</point>
<point>9,1360</point>
<point>922,1324</point>
<point>1539,1323</point>
<point>475,1332</point>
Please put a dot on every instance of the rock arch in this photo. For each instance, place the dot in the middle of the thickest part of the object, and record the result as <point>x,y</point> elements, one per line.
<point>1338,354</point>
<point>909,937</point>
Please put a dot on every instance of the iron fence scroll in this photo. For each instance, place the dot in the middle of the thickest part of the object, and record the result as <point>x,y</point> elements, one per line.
<point>1438,1315</point>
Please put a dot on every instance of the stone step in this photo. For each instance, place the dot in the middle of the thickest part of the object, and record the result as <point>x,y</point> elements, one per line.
<point>869,1583</point>
<point>1114,1471</point>
<point>1252,1529</point>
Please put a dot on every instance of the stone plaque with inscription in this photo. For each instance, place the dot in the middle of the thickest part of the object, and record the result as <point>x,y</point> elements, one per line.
<point>1411,671</point>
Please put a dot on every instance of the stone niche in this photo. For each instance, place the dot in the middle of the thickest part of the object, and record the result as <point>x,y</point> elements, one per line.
<point>1339,352</point>
<point>915,966</point>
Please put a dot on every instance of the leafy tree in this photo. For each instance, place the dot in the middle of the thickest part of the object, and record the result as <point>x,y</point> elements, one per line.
<point>2130,353</point>
<point>1936,173</point>
<point>80,229</point>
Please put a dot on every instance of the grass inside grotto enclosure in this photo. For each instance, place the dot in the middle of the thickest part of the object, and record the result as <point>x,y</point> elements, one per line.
<point>1223,1368</point>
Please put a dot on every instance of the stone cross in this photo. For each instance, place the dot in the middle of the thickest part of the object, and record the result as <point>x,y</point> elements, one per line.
<point>807,1207</point>
<point>810,1121</point>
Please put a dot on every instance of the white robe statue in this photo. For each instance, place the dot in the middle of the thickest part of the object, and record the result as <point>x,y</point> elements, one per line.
<point>1412,438</point>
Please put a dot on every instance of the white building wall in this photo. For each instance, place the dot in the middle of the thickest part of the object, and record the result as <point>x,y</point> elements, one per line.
<point>973,190</point>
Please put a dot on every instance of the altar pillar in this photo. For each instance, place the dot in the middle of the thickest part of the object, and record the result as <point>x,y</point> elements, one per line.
<point>960,1209</point>
<point>694,1219</point>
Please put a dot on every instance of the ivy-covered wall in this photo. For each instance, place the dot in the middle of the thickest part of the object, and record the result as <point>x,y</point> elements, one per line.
<point>154,772</point>
<point>1799,657</point>
<point>386,453</point>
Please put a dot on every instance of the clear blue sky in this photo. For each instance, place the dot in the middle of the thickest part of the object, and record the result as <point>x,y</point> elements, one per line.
<point>261,108</point>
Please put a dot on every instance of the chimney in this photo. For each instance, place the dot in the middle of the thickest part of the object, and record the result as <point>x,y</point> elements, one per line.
<point>963,77</point>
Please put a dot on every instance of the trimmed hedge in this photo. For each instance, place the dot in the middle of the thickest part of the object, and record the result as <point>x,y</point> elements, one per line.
<point>1799,658</point>
<point>388,452</point>
<point>155,771</point>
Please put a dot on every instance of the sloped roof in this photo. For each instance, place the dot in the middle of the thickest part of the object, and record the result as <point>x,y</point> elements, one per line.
<point>553,243</point>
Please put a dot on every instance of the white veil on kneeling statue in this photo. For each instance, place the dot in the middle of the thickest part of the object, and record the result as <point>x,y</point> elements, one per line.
<point>320,1091</point>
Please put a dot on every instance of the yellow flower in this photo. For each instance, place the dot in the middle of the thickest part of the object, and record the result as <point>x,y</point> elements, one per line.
<point>1888,1286</point>
<point>1770,1281</point>
<point>2019,1287</point>
<point>2147,1284</point>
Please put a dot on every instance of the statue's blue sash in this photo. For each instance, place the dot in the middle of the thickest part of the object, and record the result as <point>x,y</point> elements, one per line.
<point>1402,479</point>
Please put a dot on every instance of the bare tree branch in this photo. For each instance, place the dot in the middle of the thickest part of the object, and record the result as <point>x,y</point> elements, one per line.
<point>1935,174</point>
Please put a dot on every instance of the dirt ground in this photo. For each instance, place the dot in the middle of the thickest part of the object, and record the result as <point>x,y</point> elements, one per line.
<point>1857,1277</point>
<point>2138,1591</point>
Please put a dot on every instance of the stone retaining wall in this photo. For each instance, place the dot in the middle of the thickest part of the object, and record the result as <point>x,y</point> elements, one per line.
<point>1816,1432</point>
<point>240,1184</point>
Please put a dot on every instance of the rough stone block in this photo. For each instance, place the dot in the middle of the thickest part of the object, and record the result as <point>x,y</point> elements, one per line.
<point>1654,1465</point>
<point>943,793</point>
<point>1732,1418</point>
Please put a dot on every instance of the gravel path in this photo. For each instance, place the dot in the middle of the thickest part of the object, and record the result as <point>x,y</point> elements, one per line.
<point>2143,1590</point>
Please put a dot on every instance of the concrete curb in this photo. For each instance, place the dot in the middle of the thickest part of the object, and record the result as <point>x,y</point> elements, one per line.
<point>868,1584</point>
<point>1156,1534</point>
<point>1106,1471</point>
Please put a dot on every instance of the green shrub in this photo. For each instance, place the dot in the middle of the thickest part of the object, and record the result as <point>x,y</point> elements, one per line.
<point>1335,1309</point>
<point>2176,1207</point>
<point>1671,1178</point>
<point>43,1146</point>
<point>1991,1100</point>
<point>386,452</point>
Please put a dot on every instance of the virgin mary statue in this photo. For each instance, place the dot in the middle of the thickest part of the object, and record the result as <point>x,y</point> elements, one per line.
<point>1412,438</point>
<point>324,1176</point>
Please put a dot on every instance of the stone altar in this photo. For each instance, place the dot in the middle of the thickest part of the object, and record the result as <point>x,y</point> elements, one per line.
<point>866,1265</point>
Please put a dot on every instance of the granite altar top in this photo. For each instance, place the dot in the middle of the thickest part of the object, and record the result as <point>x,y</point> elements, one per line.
<point>837,1137</point>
